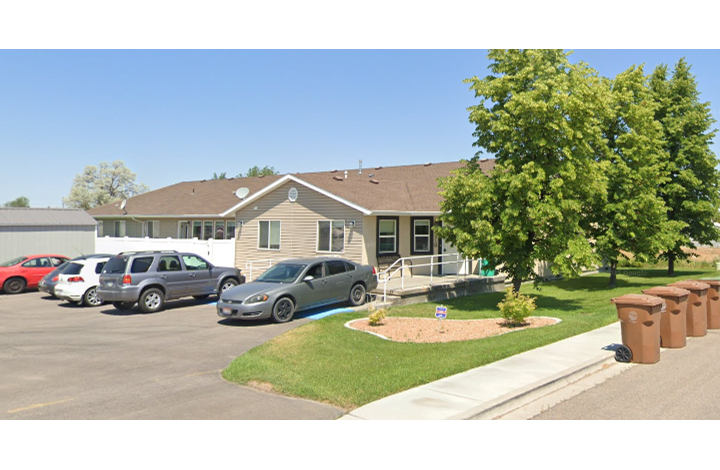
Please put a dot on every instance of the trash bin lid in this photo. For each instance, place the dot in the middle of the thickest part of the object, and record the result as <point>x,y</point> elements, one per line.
<point>639,300</point>
<point>667,291</point>
<point>691,285</point>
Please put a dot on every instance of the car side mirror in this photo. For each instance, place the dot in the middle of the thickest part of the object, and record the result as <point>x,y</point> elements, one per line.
<point>308,278</point>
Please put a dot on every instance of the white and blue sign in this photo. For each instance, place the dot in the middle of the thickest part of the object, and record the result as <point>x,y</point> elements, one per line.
<point>441,312</point>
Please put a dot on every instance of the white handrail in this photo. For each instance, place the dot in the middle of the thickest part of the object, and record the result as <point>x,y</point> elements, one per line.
<point>388,275</point>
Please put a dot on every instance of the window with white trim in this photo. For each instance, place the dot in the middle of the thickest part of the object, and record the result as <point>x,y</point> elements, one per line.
<point>331,236</point>
<point>387,236</point>
<point>269,235</point>
<point>421,236</point>
<point>119,228</point>
<point>152,229</point>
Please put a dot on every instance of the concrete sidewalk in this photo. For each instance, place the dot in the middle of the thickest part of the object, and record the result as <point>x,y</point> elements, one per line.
<point>503,386</point>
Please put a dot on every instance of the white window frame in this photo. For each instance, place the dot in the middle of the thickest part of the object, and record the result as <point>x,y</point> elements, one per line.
<point>269,222</point>
<point>428,236</point>
<point>123,228</point>
<point>204,227</point>
<point>317,236</point>
<point>394,236</point>
<point>155,227</point>
<point>188,235</point>
<point>228,233</point>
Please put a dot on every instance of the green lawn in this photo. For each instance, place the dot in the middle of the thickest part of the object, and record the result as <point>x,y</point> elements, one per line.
<point>326,362</point>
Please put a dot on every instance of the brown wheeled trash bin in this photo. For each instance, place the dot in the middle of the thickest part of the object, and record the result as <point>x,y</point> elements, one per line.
<point>713,303</point>
<point>640,328</point>
<point>673,322</point>
<point>696,313</point>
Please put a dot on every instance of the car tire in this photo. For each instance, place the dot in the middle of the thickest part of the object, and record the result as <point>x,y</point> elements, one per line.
<point>14,285</point>
<point>152,300</point>
<point>357,295</point>
<point>228,283</point>
<point>283,310</point>
<point>123,305</point>
<point>201,297</point>
<point>90,298</point>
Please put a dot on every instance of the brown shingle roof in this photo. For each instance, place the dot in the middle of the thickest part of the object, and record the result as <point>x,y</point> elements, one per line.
<point>409,188</point>
<point>208,197</point>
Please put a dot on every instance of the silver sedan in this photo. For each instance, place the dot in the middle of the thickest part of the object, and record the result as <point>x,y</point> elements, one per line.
<point>295,285</point>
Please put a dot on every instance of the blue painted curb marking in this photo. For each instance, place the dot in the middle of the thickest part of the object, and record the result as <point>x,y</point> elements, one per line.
<point>314,314</point>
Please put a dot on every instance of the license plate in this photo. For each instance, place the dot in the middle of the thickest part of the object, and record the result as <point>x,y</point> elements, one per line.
<point>226,311</point>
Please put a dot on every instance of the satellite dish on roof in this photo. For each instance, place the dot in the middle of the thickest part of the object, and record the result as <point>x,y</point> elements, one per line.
<point>123,204</point>
<point>242,193</point>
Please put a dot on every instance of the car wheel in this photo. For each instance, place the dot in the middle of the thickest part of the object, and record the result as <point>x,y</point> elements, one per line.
<point>227,284</point>
<point>90,299</point>
<point>152,300</point>
<point>123,305</point>
<point>201,297</point>
<point>357,295</point>
<point>283,310</point>
<point>14,285</point>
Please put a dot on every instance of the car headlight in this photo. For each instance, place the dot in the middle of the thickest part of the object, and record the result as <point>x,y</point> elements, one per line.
<point>255,299</point>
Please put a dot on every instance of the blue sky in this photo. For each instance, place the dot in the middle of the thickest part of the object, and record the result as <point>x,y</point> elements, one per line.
<point>180,115</point>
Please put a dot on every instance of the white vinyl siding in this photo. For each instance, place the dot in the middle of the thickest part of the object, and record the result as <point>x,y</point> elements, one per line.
<point>299,220</point>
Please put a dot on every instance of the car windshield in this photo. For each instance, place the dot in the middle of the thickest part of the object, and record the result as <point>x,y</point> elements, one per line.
<point>13,261</point>
<point>282,273</point>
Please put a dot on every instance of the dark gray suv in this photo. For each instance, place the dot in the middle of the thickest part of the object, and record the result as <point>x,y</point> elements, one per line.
<point>152,277</point>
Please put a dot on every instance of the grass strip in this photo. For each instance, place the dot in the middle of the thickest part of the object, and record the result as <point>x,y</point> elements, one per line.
<point>326,362</point>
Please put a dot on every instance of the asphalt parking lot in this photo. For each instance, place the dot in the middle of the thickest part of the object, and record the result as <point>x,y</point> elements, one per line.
<point>61,361</point>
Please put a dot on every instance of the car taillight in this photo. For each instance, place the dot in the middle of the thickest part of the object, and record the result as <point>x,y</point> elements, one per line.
<point>76,279</point>
<point>127,279</point>
<point>55,279</point>
<point>374,272</point>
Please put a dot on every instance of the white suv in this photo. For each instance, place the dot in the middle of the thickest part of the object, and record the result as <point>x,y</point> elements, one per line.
<point>78,282</point>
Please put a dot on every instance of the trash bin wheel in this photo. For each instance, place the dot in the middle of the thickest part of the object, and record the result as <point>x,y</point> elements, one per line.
<point>623,354</point>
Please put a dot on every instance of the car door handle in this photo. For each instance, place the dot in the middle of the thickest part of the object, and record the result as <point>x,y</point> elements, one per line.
<point>163,276</point>
<point>193,275</point>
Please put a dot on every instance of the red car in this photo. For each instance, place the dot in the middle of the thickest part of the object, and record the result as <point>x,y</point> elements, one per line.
<point>25,272</point>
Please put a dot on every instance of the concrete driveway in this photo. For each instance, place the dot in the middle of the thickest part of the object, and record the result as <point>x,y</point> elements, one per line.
<point>60,361</point>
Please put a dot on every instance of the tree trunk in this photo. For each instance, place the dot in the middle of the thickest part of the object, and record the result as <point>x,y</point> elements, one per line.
<point>517,282</point>
<point>671,264</point>
<point>613,274</point>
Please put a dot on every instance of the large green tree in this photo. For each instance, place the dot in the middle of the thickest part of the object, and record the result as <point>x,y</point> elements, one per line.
<point>633,219</point>
<point>691,192</point>
<point>541,117</point>
<point>103,184</point>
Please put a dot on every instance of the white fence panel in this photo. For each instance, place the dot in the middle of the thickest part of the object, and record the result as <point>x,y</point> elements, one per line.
<point>218,252</point>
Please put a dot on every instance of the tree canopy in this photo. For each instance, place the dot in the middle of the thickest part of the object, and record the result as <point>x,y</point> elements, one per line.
<point>254,171</point>
<point>21,201</point>
<point>541,117</point>
<point>587,168</point>
<point>691,189</point>
<point>103,184</point>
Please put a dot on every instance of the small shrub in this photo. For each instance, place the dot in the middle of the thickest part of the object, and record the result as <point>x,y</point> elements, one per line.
<point>515,307</point>
<point>377,315</point>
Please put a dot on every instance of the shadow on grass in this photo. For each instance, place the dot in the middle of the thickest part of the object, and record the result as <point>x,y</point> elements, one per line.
<point>627,278</point>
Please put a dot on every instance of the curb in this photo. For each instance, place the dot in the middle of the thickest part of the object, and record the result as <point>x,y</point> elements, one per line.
<point>523,396</point>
